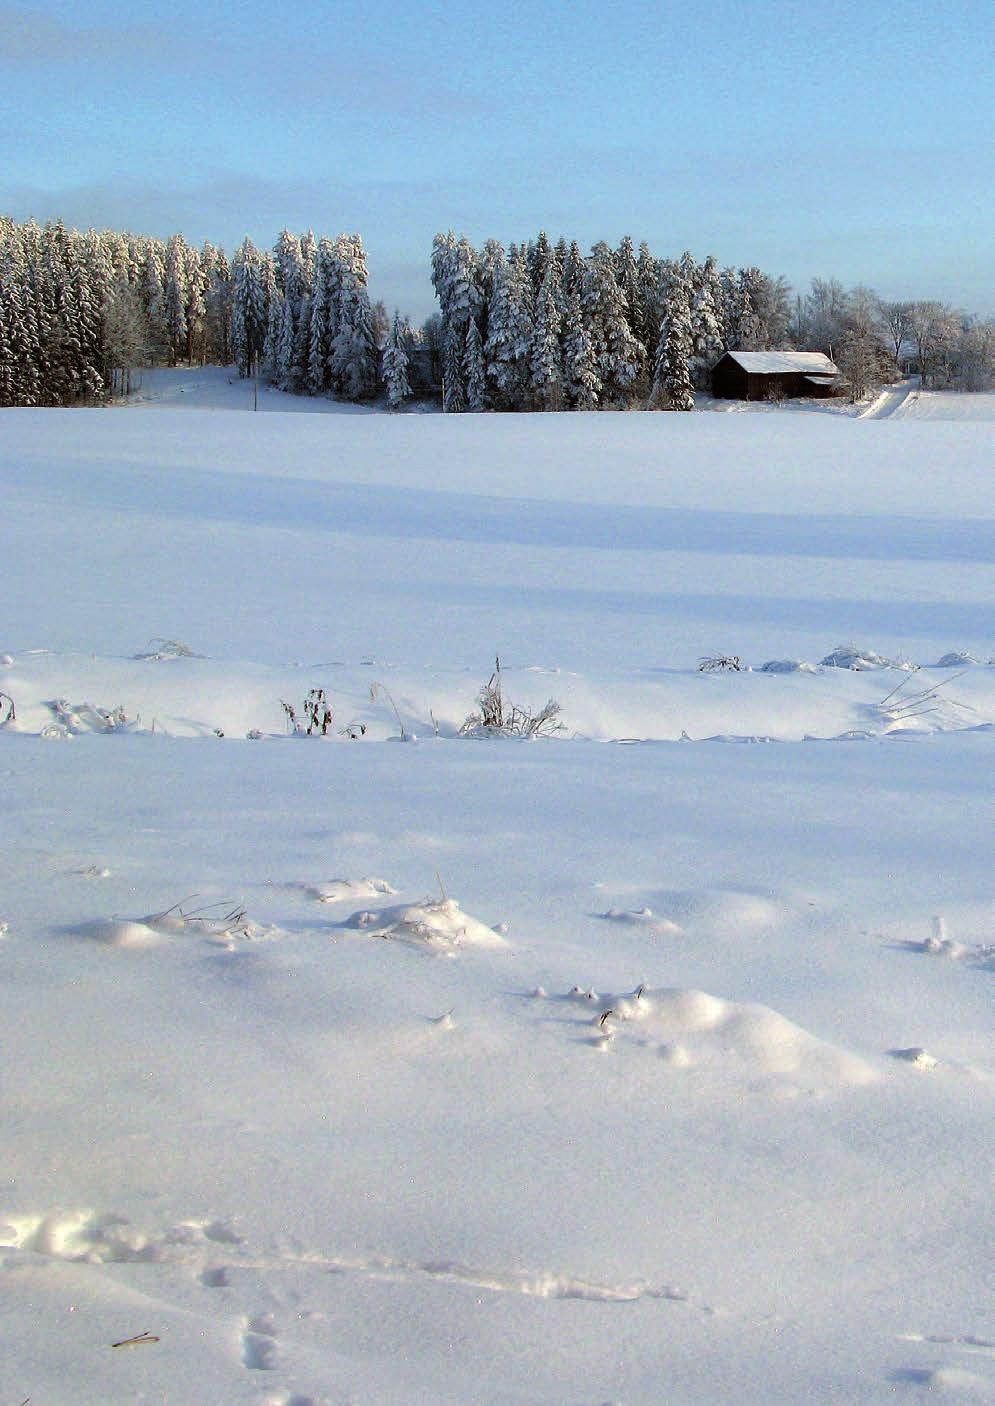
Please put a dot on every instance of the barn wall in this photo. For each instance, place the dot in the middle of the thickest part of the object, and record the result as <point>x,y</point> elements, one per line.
<point>729,380</point>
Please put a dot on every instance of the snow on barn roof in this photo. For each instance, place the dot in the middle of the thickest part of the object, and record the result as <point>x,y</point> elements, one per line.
<point>768,362</point>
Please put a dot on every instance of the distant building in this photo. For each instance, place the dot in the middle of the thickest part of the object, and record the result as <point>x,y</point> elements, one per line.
<point>774,375</point>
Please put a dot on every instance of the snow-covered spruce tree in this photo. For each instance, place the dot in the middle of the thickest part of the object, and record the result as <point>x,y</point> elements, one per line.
<point>175,314</point>
<point>574,268</point>
<point>20,351</point>
<point>743,331</point>
<point>540,258</point>
<point>454,278</point>
<point>249,311</point>
<point>627,276</point>
<point>473,368</point>
<point>217,304</point>
<point>395,363</point>
<point>581,382</point>
<point>510,332</point>
<point>353,355</point>
<point>489,269</point>
<point>324,317</point>
<point>707,328</point>
<point>154,295</point>
<point>274,326</point>
<point>672,381</point>
<point>8,373</point>
<point>546,360</point>
<point>620,358</point>
<point>289,263</point>
<point>300,370</point>
<point>280,343</point>
<point>195,308</point>
<point>453,372</point>
<point>82,312</point>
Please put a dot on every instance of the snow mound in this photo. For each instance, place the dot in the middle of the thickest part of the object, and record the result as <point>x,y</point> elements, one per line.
<point>341,890</point>
<point>643,918</point>
<point>723,908</point>
<point>956,659</point>
<point>159,649</point>
<point>119,932</point>
<point>437,923</point>
<point>223,928</point>
<point>849,656</point>
<point>787,666</point>
<point>90,1237</point>
<point>690,1029</point>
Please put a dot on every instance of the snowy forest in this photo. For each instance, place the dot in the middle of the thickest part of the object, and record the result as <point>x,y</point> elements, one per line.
<point>540,326</point>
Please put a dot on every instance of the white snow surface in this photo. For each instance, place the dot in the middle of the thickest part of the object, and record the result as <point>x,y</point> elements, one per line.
<point>678,1085</point>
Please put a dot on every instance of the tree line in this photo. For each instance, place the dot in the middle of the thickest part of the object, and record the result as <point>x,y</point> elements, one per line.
<point>542,328</point>
<point>80,311</point>
<point>539,326</point>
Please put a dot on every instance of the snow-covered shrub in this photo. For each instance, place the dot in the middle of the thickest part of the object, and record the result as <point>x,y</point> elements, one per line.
<point>720,663</point>
<point>318,719</point>
<point>496,718</point>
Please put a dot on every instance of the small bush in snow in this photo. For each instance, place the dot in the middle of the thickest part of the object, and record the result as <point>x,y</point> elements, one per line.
<point>72,718</point>
<point>496,718</point>
<point>717,663</point>
<point>168,649</point>
<point>7,710</point>
<point>318,719</point>
<point>849,656</point>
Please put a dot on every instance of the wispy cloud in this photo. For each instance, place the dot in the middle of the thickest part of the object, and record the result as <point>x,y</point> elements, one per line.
<point>295,77</point>
<point>30,36</point>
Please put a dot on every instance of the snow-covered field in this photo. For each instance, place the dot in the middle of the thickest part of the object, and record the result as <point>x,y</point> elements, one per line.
<point>626,1066</point>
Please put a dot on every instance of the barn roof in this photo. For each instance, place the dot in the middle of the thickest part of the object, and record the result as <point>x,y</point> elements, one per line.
<point>777,362</point>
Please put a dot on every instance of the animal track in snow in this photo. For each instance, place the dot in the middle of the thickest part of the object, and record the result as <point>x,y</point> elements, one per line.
<point>968,1340</point>
<point>542,1285</point>
<point>92,1238</point>
<point>259,1343</point>
<point>84,1236</point>
<point>643,918</point>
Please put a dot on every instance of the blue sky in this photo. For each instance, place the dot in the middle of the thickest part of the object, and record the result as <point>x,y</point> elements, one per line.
<point>843,139</point>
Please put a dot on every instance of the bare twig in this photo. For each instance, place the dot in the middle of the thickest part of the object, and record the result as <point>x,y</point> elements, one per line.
<point>379,688</point>
<point>137,1340</point>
